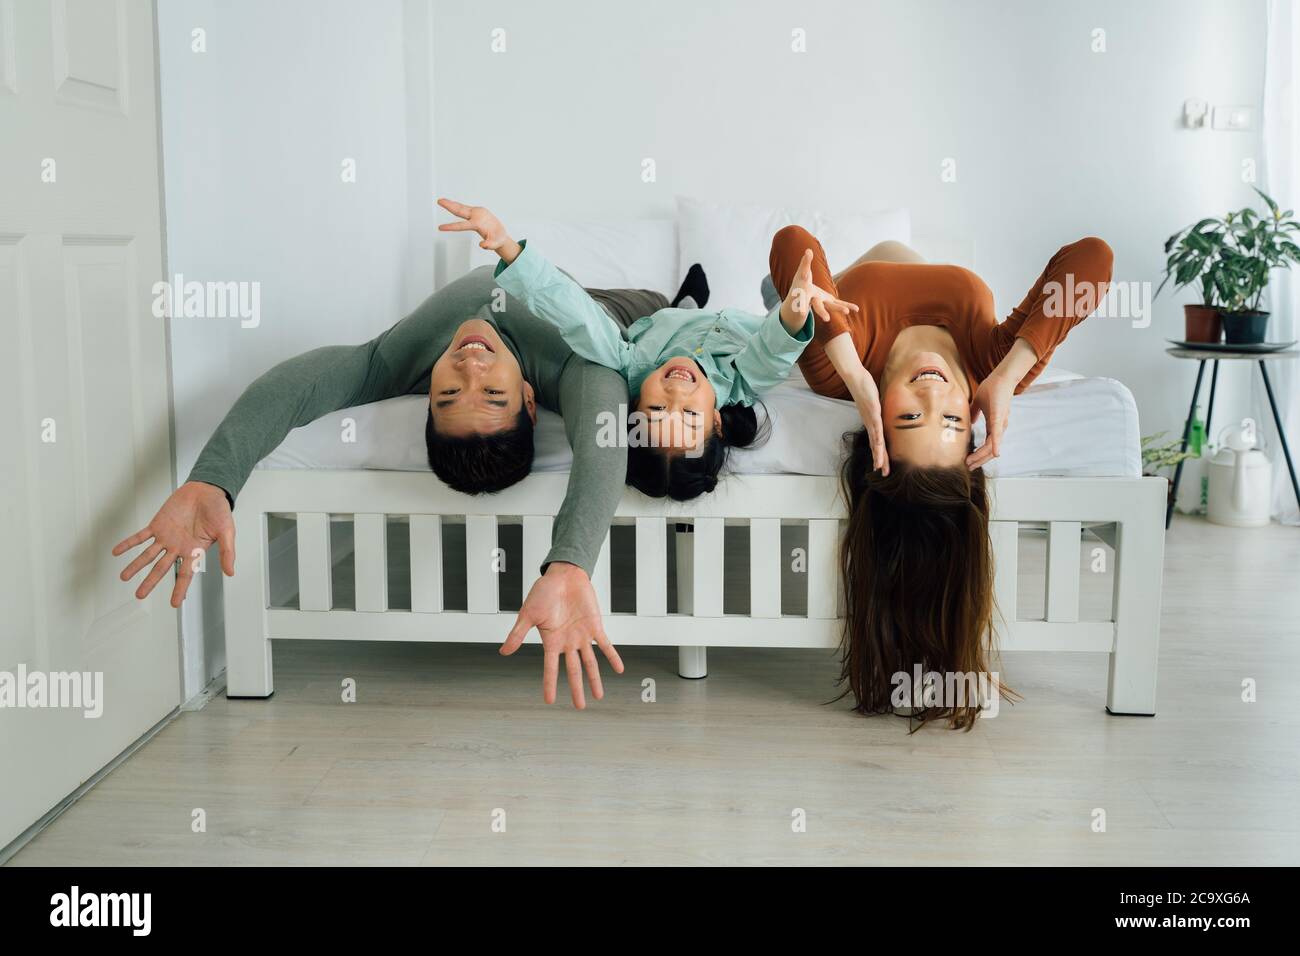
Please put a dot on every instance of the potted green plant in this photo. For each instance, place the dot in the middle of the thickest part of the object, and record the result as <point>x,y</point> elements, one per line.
<point>1253,246</point>
<point>1190,254</point>
<point>1158,454</point>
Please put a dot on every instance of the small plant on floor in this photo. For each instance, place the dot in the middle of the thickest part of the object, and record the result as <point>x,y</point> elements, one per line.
<point>1158,453</point>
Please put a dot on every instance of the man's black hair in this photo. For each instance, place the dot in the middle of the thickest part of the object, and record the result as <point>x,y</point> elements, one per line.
<point>475,464</point>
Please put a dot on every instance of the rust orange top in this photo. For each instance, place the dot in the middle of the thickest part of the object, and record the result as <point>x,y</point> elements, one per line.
<point>892,296</point>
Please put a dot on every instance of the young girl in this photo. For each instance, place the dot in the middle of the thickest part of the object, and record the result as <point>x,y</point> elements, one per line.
<point>923,358</point>
<point>694,374</point>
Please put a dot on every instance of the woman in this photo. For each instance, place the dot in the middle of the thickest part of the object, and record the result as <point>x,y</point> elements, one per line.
<point>923,357</point>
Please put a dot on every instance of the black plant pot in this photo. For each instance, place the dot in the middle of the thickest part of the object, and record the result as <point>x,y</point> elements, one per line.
<point>1244,328</point>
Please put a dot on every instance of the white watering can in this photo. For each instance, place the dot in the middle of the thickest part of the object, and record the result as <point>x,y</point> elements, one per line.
<point>1240,482</point>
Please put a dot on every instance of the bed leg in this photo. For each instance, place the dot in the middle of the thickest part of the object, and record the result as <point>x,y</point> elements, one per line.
<point>692,662</point>
<point>248,649</point>
<point>1139,572</point>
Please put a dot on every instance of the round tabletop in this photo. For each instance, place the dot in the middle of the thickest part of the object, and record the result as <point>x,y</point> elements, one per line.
<point>1217,355</point>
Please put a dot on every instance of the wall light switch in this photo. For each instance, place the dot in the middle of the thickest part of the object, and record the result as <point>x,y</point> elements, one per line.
<point>1232,117</point>
<point>1195,113</point>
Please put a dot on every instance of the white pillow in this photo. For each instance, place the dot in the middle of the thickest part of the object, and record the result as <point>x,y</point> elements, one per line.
<point>634,254</point>
<point>732,242</point>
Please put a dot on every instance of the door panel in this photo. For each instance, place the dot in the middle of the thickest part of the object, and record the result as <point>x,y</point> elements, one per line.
<point>84,424</point>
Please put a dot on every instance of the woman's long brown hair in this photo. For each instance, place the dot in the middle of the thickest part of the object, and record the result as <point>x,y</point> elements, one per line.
<point>918,581</point>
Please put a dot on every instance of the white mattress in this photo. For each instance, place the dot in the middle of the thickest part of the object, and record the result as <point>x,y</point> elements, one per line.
<point>1063,425</point>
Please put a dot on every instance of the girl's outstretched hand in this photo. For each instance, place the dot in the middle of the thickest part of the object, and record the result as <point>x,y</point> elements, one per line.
<point>480,219</point>
<point>804,296</point>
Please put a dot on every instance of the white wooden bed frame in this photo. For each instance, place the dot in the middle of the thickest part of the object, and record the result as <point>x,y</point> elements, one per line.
<point>1135,506</point>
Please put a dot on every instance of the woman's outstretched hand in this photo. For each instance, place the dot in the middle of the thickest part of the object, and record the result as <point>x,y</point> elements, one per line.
<point>805,296</point>
<point>992,399</point>
<point>479,219</point>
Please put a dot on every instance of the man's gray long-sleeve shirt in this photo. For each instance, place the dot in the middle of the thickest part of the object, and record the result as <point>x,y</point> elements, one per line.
<point>399,362</point>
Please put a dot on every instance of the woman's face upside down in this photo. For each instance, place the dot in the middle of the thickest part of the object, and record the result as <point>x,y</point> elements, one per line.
<point>926,412</point>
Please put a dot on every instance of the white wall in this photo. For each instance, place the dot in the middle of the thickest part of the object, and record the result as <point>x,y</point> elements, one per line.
<point>1052,141</point>
<point>255,130</point>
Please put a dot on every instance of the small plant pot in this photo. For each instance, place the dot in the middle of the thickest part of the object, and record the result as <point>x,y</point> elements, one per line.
<point>1202,323</point>
<point>1244,328</point>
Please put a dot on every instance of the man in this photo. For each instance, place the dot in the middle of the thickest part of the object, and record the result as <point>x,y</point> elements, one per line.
<point>485,372</point>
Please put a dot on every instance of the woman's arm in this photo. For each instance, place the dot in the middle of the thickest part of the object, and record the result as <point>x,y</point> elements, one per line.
<point>844,358</point>
<point>992,399</point>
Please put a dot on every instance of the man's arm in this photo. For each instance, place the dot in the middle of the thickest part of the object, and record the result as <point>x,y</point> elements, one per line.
<point>591,398</point>
<point>562,604</point>
<point>293,393</point>
<point>199,512</point>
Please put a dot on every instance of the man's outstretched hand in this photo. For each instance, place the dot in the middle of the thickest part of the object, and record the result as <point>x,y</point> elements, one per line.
<point>562,606</point>
<point>193,517</point>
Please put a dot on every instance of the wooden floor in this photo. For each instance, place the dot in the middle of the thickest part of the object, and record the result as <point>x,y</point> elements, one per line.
<point>445,741</point>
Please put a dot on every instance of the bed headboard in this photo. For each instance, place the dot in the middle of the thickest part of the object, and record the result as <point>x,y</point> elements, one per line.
<point>633,254</point>
<point>730,240</point>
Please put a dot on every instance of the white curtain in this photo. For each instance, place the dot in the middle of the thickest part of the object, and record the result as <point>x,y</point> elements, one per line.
<point>1281,181</point>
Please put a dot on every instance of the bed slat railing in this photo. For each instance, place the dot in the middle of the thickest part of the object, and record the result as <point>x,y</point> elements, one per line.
<point>314,564</point>
<point>651,567</point>
<point>1133,507</point>
<point>370,539</point>
<point>1005,542</point>
<point>426,563</point>
<point>537,543</point>
<point>1063,541</point>
<point>765,560</point>
<point>481,563</point>
<point>600,580</point>
<point>708,548</point>
<point>824,587</point>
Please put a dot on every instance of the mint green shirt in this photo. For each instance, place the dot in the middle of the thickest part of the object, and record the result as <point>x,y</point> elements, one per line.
<point>742,354</point>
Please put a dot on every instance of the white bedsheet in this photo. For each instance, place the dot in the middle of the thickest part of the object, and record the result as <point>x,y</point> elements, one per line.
<point>1063,425</point>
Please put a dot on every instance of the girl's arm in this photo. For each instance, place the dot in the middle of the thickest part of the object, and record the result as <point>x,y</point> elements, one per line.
<point>546,291</point>
<point>785,332</point>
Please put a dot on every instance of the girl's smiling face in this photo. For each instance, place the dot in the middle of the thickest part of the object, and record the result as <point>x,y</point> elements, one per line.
<point>680,405</point>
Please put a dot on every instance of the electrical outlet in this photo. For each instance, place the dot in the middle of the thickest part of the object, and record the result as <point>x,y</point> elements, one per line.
<point>1233,118</point>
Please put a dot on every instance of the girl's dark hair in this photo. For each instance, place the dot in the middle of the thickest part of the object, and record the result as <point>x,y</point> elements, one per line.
<point>918,582</point>
<point>660,472</point>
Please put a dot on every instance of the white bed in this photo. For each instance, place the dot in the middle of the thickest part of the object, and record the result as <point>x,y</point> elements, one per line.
<point>1064,425</point>
<point>1070,465</point>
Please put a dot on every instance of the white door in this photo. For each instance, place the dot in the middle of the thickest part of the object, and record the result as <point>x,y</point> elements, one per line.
<point>84,435</point>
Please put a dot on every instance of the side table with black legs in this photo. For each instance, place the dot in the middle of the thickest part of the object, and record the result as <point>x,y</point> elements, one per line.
<point>1216,356</point>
